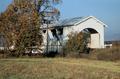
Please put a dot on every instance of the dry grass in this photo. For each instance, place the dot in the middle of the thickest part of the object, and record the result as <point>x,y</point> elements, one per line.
<point>58,68</point>
<point>107,54</point>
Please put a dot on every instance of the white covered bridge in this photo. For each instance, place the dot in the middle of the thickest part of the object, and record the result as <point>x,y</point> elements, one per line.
<point>92,24</point>
<point>60,31</point>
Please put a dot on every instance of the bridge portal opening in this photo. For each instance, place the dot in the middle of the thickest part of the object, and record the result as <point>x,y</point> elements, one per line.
<point>94,39</point>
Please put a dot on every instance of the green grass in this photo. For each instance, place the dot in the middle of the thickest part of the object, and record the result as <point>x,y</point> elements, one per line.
<point>58,68</point>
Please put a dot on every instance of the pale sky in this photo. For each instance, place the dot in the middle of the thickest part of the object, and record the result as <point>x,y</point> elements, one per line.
<point>108,11</point>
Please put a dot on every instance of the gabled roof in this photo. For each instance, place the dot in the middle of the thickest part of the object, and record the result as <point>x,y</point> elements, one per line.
<point>70,21</point>
<point>76,21</point>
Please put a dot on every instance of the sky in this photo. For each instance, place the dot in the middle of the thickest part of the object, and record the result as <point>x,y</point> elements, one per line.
<point>108,11</point>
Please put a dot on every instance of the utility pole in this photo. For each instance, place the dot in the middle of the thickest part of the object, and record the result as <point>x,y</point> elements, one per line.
<point>47,38</point>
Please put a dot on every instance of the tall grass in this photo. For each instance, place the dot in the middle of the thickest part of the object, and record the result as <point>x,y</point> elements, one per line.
<point>107,54</point>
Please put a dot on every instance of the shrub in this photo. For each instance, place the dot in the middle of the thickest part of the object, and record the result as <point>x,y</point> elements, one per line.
<point>4,54</point>
<point>76,43</point>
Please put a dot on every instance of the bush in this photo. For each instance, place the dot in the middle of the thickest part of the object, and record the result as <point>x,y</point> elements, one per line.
<point>3,54</point>
<point>77,43</point>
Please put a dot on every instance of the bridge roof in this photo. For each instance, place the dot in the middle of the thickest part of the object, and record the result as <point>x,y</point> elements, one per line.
<point>76,21</point>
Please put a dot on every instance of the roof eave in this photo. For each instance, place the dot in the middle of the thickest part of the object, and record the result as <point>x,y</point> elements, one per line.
<point>62,25</point>
<point>89,18</point>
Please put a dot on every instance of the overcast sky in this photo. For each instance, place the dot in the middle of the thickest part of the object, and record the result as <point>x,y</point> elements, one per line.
<point>107,11</point>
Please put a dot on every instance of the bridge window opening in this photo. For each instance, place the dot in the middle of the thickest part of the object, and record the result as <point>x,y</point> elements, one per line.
<point>44,31</point>
<point>60,31</point>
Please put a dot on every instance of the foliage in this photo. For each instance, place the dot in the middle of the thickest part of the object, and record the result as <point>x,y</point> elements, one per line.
<point>19,20</point>
<point>77,42</point>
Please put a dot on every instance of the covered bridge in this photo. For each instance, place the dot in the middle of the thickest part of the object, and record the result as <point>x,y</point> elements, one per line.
<point>60,31</point>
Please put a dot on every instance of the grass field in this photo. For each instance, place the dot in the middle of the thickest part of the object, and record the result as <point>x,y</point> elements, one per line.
<point>58,68</point>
